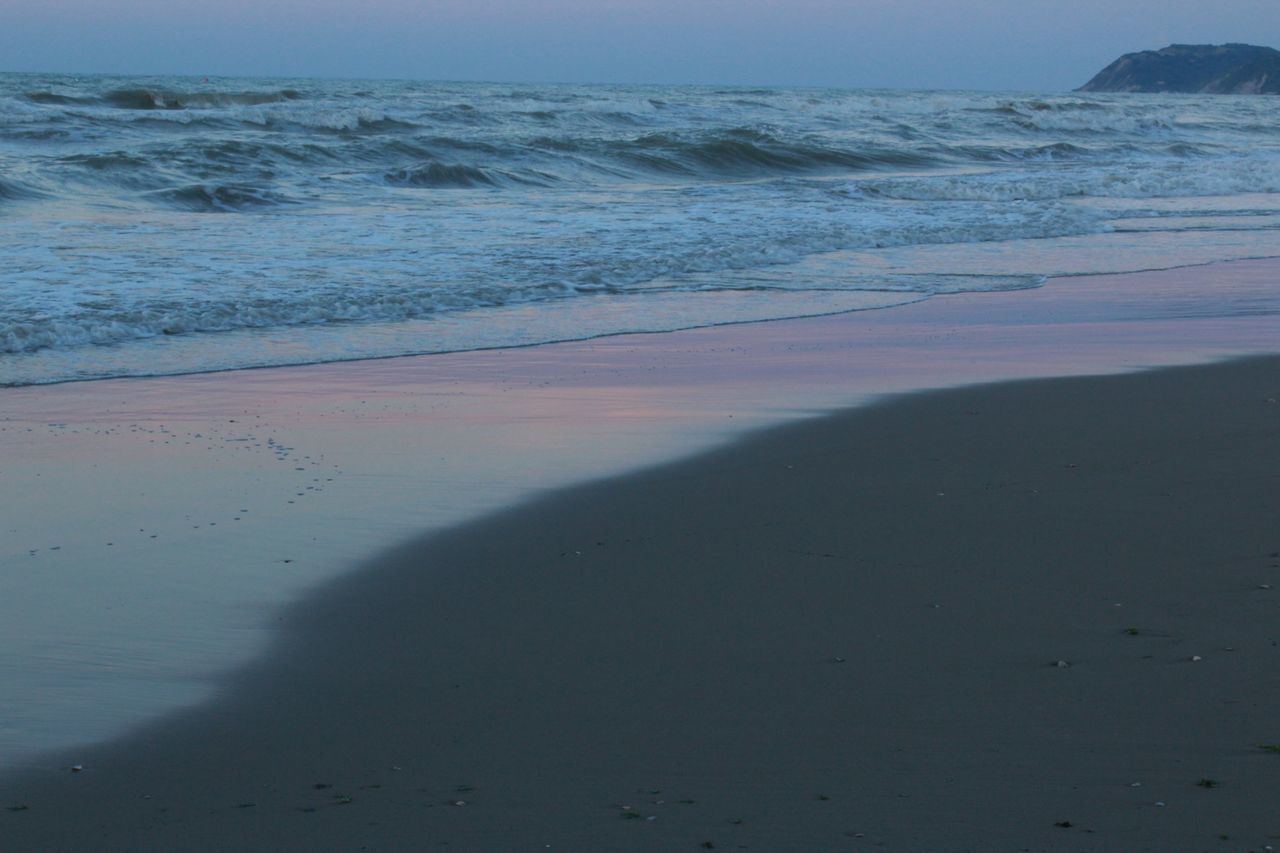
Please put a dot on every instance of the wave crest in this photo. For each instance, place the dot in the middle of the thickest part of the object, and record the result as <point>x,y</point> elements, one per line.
<point>748,152</point>
<point>164,99</point>
<point>56,99</point>
<point>441,175</point>
<point>735,153</point>
<point>437,175</point>
<point>160,99</point>
<point>217,198</point>
<point>14,191</point>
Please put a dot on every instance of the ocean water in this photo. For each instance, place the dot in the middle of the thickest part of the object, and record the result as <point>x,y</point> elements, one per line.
<point>171,225</point>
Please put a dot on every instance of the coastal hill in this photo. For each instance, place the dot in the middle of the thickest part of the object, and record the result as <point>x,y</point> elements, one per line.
<point>1227,69</point>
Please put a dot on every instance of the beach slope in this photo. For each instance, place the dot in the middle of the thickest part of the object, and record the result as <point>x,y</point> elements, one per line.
<point>1036,615</point>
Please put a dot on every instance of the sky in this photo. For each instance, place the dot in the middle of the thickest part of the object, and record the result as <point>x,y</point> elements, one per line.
<point>1043,45</point>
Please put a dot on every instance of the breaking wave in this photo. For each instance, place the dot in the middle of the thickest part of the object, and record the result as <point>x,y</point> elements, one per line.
<point>441,175</point>
<point>165,99</point>
<point>206,198</point>
<point>737,152</point>
<point>13,191</point>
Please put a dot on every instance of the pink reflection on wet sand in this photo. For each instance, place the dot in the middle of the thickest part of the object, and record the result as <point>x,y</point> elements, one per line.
<point>157,521</point>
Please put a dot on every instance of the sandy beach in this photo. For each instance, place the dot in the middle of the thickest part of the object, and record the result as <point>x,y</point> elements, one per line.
<point>150,529</point>
<point>1035,615</point>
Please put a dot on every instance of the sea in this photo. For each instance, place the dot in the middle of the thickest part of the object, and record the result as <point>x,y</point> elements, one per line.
<point>170,225</point>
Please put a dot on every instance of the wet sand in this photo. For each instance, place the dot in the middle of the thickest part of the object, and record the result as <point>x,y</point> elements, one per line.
<point>1032,615</point>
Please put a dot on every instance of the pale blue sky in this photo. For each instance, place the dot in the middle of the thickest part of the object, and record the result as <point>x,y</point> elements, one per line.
<point>981,44</point>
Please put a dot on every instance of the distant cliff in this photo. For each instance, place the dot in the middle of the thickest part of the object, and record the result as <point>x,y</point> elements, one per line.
<point>1227,69</point>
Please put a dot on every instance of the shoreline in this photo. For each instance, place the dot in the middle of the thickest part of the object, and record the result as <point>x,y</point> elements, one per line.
<point>639,333</point>
<point>839,633</point>
<point>155,526</point>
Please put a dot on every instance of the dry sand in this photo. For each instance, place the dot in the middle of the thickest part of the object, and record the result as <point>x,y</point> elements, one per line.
<point>1027,616</point>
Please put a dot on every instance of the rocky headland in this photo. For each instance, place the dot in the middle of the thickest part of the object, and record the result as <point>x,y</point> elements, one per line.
<point>1226,69</point>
